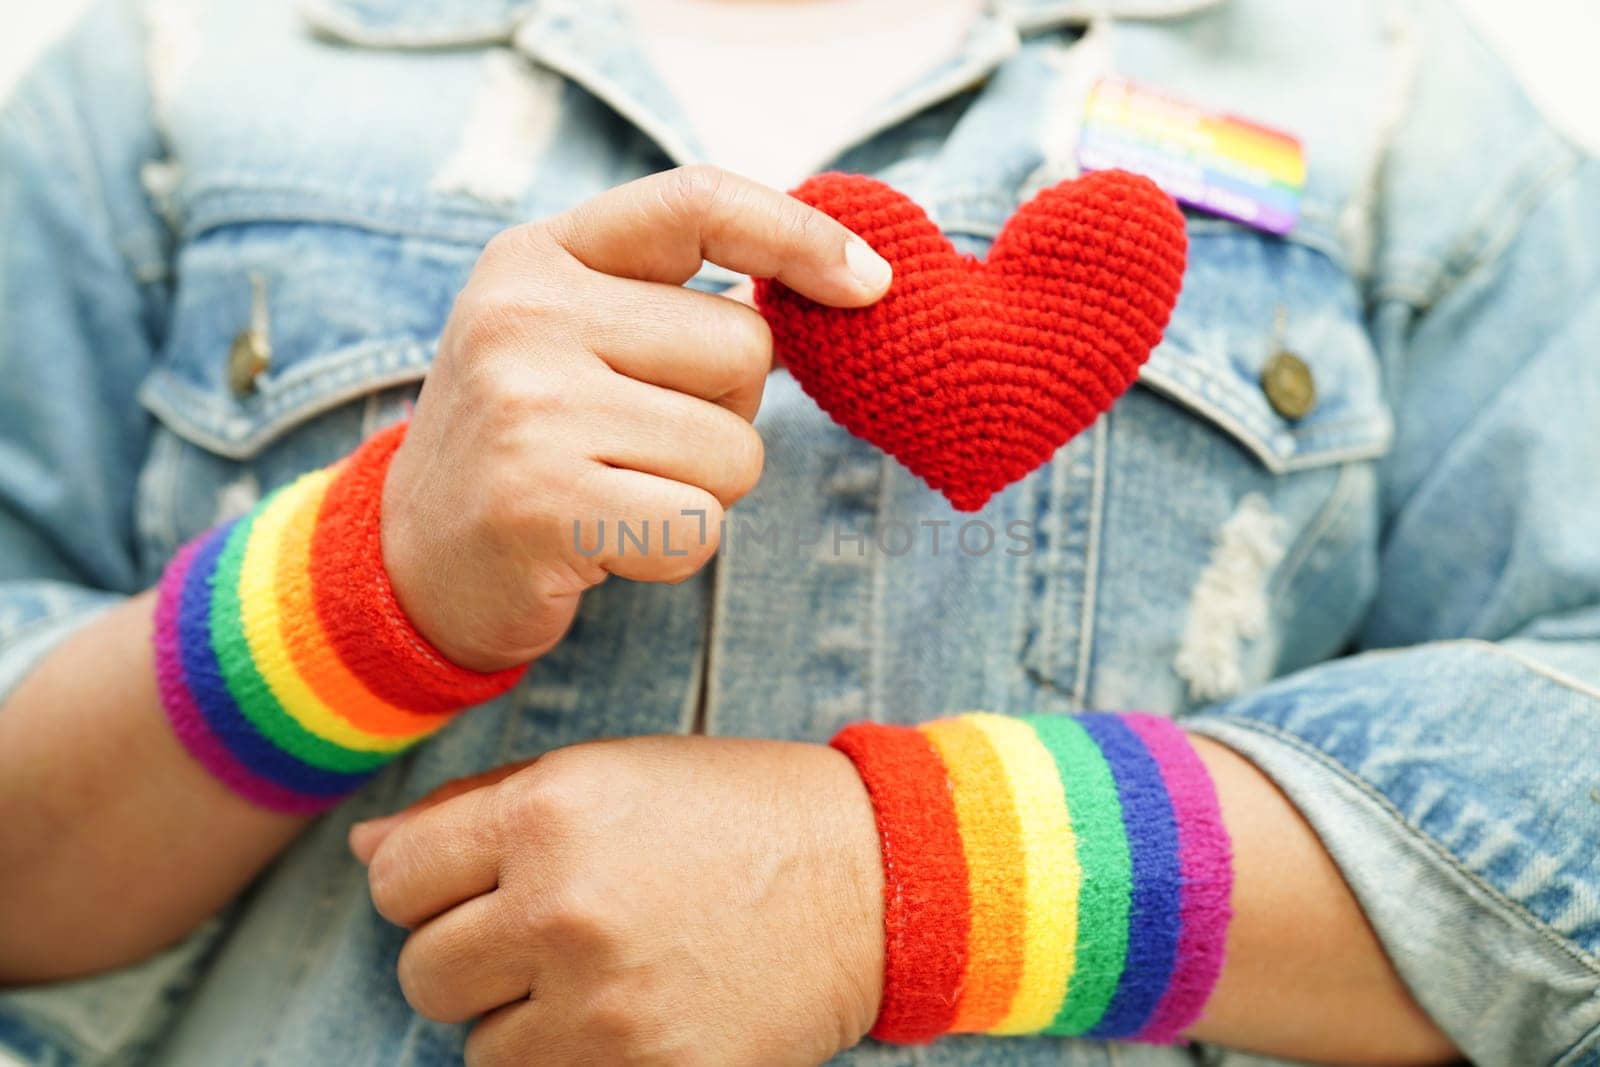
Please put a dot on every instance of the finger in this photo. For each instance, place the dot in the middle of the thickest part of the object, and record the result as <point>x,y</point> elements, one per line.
<point>680,437</point>
<point>745,293</point>
<point>514,1035</point>
<point>644,527</point>
<point>437,859</point>
<point>461,964</point>
<point>741,293</point>
<point>367,835</point>
<point>661,227</point>
<point>692,342</point>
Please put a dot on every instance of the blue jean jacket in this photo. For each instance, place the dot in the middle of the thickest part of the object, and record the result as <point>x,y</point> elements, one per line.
<point>1391,603</point>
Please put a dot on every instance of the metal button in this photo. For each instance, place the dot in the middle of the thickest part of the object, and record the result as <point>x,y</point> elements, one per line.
<point>1290,388</point>
<point>248,359</point>
<point>251,353</point>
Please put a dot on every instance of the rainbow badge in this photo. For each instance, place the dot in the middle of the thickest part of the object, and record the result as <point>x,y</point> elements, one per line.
<point>1212,162</point>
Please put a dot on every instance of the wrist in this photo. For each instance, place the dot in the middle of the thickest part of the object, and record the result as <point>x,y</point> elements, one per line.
<point>1058,874</point>
<point>284,662</point>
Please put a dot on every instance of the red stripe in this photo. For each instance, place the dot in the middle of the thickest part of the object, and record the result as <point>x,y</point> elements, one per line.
<point>926,914</point>
<point>357,606</point>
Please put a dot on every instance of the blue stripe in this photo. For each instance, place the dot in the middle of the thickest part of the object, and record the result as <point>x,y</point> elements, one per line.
<point>1153,920</point>
<point>216,703</point>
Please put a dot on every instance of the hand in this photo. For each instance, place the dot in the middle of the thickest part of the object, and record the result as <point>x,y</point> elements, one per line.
<point>653,900</point>
<point>577,381</point>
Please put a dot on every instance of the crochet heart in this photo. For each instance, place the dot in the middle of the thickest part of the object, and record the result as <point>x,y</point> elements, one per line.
<point>972,373</point>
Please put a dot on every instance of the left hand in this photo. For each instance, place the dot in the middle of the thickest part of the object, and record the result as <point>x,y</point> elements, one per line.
<point>650,900</point>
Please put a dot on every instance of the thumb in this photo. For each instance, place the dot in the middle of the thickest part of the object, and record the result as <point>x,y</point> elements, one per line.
<point>368,835</point>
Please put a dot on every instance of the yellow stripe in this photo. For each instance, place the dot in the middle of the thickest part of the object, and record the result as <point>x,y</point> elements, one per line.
<point>1052,874</point>
<point>992,843</point>
<point>263,631</point>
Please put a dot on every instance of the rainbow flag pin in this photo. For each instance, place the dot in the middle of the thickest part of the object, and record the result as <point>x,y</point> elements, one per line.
<point>1212,162</point>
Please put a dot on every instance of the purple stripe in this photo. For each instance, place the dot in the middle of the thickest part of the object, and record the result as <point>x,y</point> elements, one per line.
<point>1206,856</point>
<point>184,714</point>
<point>1152,831</point>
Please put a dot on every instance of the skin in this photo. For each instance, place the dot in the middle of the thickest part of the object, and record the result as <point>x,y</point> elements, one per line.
<point>668,899</point>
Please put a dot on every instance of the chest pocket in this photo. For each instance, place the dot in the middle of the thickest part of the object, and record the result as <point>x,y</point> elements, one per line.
<point>1264,395</point>
<point>278,327</point>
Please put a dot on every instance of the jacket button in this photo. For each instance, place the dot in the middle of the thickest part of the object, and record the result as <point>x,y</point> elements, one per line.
<point>251,354</point>
<point>1290,388</point>
<point>248,360</point>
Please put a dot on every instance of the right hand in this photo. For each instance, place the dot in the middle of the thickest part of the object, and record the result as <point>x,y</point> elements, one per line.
<point>578,381</point>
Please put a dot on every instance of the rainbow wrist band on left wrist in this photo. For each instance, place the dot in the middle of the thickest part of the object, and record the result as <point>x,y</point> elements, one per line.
<point>283,659</point>
<point>1065,875</point>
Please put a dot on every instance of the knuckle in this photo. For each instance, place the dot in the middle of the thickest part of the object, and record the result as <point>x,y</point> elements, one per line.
<point>809,226</point>
<point>516,243</point>
<point>547,799</point>
<point>583,928</point>
<point>701,516</point>
<point>613,1023</point>
<point>384,881</point>
<point>416,985</point>
<point>750,351</point>
<point>746,457</point>
<point>495,314</point>
<point>691,189</point>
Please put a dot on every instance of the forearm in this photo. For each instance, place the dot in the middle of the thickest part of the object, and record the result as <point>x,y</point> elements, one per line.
<point>1109,876</point>
<point>115,842</point>
<point>1304,976</point>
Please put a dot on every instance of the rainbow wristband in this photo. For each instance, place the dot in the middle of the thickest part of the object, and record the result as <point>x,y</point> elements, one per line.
<point>284,662</point>
<point>1067,875</point>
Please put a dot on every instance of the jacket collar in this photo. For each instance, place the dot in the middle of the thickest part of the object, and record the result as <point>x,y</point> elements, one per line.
<point>449,23</point>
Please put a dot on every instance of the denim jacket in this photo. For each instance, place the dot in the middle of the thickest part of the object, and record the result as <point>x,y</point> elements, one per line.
<point>1390,602</point>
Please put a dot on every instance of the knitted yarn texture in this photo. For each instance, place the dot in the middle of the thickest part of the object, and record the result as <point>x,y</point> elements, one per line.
<point>284,662</point>
<point>1046,874</point>
<point>973,373</point>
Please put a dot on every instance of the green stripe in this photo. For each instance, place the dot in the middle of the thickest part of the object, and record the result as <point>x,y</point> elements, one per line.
<point>1107,887</point>
<point>245,683</point>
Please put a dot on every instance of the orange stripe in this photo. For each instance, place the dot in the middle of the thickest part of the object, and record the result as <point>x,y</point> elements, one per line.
<point>992,840</point>
<point>314,656</point>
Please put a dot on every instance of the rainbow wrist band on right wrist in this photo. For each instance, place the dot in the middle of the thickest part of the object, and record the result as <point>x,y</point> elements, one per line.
<point>284,661</point>
<point>1065,875</point>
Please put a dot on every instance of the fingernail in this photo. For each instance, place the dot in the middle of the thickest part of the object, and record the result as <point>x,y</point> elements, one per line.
<point>870,269</point>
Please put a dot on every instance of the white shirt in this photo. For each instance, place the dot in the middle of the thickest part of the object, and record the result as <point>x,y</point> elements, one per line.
<point>773,87</point>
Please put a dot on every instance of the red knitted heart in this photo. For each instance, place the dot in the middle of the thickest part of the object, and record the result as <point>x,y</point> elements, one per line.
<point>972,373</point>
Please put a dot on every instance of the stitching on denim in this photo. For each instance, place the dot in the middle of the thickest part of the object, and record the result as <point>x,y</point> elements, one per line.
<point>877,594</point>
<point>1331,510</point>
<point>1588,1044</point>
<point>1464,433</point>
<point>1101,441</point>
<point>1550,674</point>
<point>1544,163</point>
<point>1511,908</point>
<point>327,382</point>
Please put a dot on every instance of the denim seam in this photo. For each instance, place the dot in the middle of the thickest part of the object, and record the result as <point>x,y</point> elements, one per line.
<point>125,245</point>
<point>1101,441</point>
<point>1549,674</point>
<point>1547,161</point>
<point>324,18</point>
<point>1331,510</point>
<point>1313,239</point>
<point>228,198</point>
<point>1333,442</point>
<point>877,593</point>
<point>1585,1045</point>
<point>1439,468</point>
<point>1508,907</point>
<point>315,385</point>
